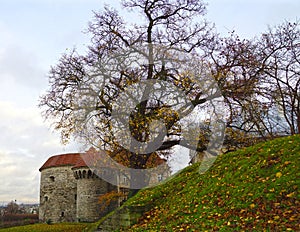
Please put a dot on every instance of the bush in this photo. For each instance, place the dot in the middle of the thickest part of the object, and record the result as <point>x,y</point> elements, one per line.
<point>49,221</point>
<point>18,217</point>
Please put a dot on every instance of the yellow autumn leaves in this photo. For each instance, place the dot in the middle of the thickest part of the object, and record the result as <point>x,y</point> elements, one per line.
<point>278,174</point>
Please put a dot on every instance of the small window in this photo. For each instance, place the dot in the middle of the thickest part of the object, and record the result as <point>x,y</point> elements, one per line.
<point>98,192</point>
<point>52,178</point>
<point>62,214</point>
<point>75,197</point>
<point>159,177</point>
<point>46,198</point>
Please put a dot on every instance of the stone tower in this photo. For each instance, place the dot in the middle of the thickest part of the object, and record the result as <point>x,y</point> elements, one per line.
<point>69,190</point>
<point>89,188</point>
<point>71,185</point>
<point>58,189</point>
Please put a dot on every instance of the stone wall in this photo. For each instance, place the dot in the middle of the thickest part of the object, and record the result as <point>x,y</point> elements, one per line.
<point>122,218</point>
<point>159,174</point>
<point>89,188</point>
<point>58,193</point>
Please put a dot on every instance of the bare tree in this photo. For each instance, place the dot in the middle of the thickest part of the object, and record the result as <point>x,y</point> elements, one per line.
<point>280,82</point>
<point>12,207</point>
<point>237,68</point>
<point>260,82</point>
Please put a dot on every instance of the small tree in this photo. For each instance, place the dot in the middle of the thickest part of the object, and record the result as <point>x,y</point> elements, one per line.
<point>12,207</point>
<point>109,198</point>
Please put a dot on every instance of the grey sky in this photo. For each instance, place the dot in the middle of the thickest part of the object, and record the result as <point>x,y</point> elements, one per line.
<point>33,35</point>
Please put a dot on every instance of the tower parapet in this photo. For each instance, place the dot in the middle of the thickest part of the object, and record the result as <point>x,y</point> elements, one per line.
<point>89,188</point>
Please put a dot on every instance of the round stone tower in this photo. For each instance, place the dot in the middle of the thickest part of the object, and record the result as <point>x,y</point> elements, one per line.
<point>89,188</point>
<point>58,189</point>
<point>71,185</point>
<point>70,190</point>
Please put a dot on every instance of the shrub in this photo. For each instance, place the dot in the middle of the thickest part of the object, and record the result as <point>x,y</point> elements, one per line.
<point>49,221</point>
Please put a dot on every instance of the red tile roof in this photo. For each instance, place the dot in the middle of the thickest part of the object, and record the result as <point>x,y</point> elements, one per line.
<point>62,160</point>
<point>94,158</point>
<point>89,158</point>
<point>155,160</point>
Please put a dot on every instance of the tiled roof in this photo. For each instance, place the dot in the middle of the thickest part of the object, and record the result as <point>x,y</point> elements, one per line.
<point>154,160</point>
<point>87,159</point>
<point>90,158</point>
<point>62,160</point>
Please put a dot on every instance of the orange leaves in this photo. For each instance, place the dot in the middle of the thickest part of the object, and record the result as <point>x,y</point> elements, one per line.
<point>107,198</point>
<point>290,194</point>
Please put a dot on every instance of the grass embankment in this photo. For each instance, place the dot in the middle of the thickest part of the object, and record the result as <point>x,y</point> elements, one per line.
<point>253,189</point>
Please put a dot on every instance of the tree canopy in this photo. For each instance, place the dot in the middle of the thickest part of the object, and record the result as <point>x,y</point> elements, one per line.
<point>261,82</point>
<point>84,87</point>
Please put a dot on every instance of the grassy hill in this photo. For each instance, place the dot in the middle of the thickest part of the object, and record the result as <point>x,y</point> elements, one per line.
<point>253,189</point>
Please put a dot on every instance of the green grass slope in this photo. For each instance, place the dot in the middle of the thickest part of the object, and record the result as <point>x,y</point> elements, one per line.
<point>253,189</point>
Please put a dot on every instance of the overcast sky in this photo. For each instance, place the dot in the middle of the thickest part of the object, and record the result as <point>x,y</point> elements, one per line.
<point>33,35</point>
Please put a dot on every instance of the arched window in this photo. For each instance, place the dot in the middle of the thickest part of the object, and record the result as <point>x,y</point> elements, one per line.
<point>84,174</point>
<point>89,174</point>
<point>52,178</point>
